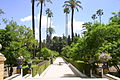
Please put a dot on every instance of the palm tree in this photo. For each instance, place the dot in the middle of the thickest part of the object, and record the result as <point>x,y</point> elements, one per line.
<point>94,17</point>
<point>73,4</point>
<point>33,24</point>
<point>41,2</point>
<point>49,15</point>
<point>47,12</point>
<point>66,11</point>
<point>50,31</point>
<point>1,11</point>
<point>99,13</point>
<point>33,20</point>
<point>48,36</point>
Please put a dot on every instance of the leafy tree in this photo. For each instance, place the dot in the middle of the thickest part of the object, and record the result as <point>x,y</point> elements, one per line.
<point>73,4</point>
<point>47,53</point>
<point>17,41</point>
<point>97,38</point>
<point>115,19</point>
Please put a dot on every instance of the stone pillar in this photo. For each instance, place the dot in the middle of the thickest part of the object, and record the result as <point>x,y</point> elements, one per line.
<point>2,59</point>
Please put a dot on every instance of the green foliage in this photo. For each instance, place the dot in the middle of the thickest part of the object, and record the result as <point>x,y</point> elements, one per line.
<point>47,53</point>
<point>97,38</point>
<point>17,41</point>
<point>80,65</point>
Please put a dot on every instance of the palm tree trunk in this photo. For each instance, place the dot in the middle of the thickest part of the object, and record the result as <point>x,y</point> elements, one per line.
<point>33,21</point>
<point>50,32</point>
<point>94,21</point>
<point>72,33</point>
<point>40,45</point>
<point>33,25</point>
<point>47,29</point>
<point>66,28</point>
<point>100,19</point>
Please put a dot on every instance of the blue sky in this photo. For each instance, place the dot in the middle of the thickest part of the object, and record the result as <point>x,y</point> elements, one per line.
<point>20,10</point>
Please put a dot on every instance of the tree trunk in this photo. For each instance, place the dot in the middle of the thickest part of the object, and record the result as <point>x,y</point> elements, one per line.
<point>33,25</point>
<point>72,33</point>
<point>47,29</point>
<point>50,31</point>
<point>33,20</point>
<point>40,46</point>
<point>66,25</point>
<point>100,19</point>
<point>66,28</point>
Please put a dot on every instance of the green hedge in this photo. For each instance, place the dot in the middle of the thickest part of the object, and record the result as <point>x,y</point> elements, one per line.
<point>38,69</point>
<point>80,65</point>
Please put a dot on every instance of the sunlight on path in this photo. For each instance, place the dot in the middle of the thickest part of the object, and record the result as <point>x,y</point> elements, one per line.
<point>58,71</point>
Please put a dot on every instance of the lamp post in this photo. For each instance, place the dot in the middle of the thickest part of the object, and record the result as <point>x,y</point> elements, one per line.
<point>20,60</point>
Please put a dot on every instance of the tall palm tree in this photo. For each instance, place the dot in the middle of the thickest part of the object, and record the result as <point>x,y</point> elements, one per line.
<point>94,17</point>
<point>99,13</point>
<point>47,12</point>
<point>66,11</point>
<point>48,37</point>
<point>33,24</point>
<point>73,4</point>
<point>33,20</point>
<point>1,11</point>
<point>50,31</point>
<point>41,2</point>
<point>49,15</point>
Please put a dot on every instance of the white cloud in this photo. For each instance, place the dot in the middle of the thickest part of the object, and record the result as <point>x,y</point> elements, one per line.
<point>43,24</point>
<point>28,18</point>
<point>56,35</point>
<point>44,21</point>
<point>77,25</point>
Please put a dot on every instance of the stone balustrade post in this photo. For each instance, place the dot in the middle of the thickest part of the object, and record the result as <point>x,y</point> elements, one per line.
<point>2,59</point>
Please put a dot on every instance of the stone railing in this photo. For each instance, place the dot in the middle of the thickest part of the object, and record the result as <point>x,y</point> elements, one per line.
<point>2,59</point>
<point>111,77</point>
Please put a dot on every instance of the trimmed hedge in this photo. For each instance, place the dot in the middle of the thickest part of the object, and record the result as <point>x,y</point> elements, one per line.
<point>36,69</point>
<point>80,65</point>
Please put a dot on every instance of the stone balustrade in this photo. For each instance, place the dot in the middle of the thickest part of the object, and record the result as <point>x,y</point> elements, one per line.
<point>2,59</point>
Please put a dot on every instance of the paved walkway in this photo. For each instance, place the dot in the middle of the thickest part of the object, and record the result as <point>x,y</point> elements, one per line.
<point>57,72</point>
<point>60,72</point>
